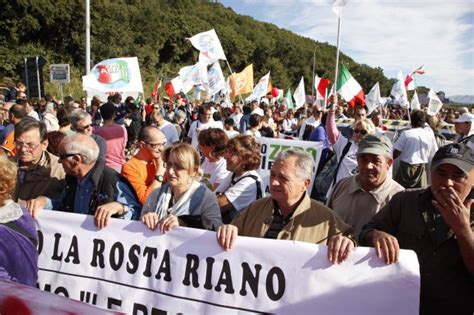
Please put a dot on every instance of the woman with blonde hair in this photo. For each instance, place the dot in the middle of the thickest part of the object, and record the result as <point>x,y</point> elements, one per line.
<point>18,237</point>
<point>182,200</point>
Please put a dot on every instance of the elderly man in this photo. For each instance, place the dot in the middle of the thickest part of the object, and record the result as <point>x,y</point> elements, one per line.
<point>314,121</point>
<point>91,187</point>
<point>289,213</point>
<point>166,127</point>
<point>145,170</point>
<point>81,122</point>
<point>464,127</point>
<point>39,172</point>
<point>357,198</point>
<point>437,223</point>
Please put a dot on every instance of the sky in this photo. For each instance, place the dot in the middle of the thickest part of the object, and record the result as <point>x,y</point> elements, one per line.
<point>390,34</point>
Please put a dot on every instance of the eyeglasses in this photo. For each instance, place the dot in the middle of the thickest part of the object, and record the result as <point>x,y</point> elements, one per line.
<point>65,156</point>
<point>175,166</point>
<point>156,145</point>
<point>28,146</point>
<point>363,132</point>
<point>82,128</point>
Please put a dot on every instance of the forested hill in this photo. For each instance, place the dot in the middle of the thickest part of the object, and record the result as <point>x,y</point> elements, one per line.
<point>155,31</point>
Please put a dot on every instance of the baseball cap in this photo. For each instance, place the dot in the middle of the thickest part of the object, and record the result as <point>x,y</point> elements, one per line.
<point>465,117</point>
<point>457,154</point>
<point>378,145</point>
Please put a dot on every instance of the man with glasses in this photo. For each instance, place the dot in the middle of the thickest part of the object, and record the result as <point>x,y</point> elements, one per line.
<point>205,121</point>
<point>145,170</point>
<point>39,172</point>
<point>81,122</point>
<point>437,223</point>
<point>91,187</point>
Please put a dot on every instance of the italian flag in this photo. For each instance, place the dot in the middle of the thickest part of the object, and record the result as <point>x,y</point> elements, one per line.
<point>349,88</point>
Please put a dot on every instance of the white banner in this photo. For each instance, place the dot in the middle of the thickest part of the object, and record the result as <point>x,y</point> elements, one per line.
<point>260,90</point>
<point>300,95</point>
<point>130,268</point>
<point>270,147</point>
<point>435,104</point>
<point>216,80</point>
<point>192,75</point>
<point>209,46</point>
<point>118,75</point>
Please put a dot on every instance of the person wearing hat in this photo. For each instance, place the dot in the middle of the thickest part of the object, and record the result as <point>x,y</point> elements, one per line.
<point>437,223</point>
<point>464,127</point>
<point>357,198</point>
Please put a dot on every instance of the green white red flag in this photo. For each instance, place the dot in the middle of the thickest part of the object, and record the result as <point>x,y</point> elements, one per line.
<point>349,88</point>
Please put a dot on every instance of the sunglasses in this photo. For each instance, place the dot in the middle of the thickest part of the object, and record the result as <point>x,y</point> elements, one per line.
<point>363,132</point>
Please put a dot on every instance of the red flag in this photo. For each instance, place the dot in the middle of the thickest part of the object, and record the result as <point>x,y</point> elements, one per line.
<point>169,89</point>
<point>409,83</point>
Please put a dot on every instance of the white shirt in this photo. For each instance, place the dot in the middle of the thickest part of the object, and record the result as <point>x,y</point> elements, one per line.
<point>232,134</point>
<point>214,172</point>
<point>417,146</point>
<point>310,121</point>
<point>236,118</point>
<point>243,193</point>
<point>250,133</point>
<point>197,126</point>
<point>258,111</point>
<point>170,132</point>
<point>34,114</point>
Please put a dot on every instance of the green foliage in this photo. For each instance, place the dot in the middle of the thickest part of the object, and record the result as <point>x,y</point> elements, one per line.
<point>155,31</point>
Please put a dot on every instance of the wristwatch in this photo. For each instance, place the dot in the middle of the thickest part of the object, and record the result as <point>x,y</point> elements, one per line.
<point>159,178</point>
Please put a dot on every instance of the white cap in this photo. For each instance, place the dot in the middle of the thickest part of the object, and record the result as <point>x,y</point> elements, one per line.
<point>466,117</point>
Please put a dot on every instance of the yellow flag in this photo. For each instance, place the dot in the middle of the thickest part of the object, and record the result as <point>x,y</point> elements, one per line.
<point>242,82</point>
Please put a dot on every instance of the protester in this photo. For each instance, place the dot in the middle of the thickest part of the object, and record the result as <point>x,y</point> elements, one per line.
<point>290,124</point>
<point>169,129</point>
<point>145,171</point>
<point>205,121</point>
<point>39,172</point>
<point>312,122</point>
<point>18,237</point>
<point>243,185</point>
<point>255,123</point>
<point>182,200</point>
<point>289,214</point>
<point>16,114</point>
<point>229,128</point>
<point>357,198</point>
<point>81,122</point>
<point>212,143</point>
<point>50,118</point>
<point>437,223</point>
<point>464,127</point>
<point>133,121</point>
<point>415,147</point>
<point>91,187</point>
<point>115,136</point>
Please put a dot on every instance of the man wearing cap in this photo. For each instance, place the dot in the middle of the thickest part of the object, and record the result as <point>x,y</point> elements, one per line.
<point>357,198</point>
<point>464,127</point>
<point>437,223</point>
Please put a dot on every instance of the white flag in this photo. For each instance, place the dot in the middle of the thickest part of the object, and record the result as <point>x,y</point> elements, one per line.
<point>337,6</point>
<point>300,95</point>
<point>399,91</point>
<point>435,104</point>
<point>215,79</point>
<point>260,90</point>
<point>373,99</point>
<point>415,102</point>
<point>209,45</point>
<point>193,75</point>
<point>177,84</point>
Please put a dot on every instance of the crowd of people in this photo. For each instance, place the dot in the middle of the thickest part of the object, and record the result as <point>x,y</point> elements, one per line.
<point>194,164</point>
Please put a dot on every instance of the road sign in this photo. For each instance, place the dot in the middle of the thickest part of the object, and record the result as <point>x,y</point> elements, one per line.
<point>59,73</point>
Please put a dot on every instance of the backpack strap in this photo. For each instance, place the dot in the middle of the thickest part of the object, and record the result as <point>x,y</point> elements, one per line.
<point>344,152</point>
<point>15,227</point>
<point>257,182</point>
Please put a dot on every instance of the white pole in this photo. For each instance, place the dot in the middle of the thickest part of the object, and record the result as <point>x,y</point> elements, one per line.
<point>88,39</point>
<point>337,56</point>
<point>312,84</point>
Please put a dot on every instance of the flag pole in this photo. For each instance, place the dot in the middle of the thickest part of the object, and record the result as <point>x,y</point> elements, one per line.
<point>312,84</point>
<point>232,73</point>
<point>337,56</point>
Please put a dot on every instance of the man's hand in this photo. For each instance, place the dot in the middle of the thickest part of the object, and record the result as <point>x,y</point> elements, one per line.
<point>385,245</point>
<point>150,219</point>
<point>455,213</point>
<point>34,205</point>
<point>104,212</point>
<point>339,248</point>
<point>227,236</point>
<point>168,223</point>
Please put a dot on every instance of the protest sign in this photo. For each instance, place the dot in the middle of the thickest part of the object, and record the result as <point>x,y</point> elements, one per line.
<point>111,76</point>
<point>129,268</point>
<point>269,149</point>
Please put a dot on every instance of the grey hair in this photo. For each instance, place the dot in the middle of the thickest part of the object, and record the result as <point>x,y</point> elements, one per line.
<point>76,116</point>
<point>304,162</point>
<point>89,153</point>
<point>50,108</point>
